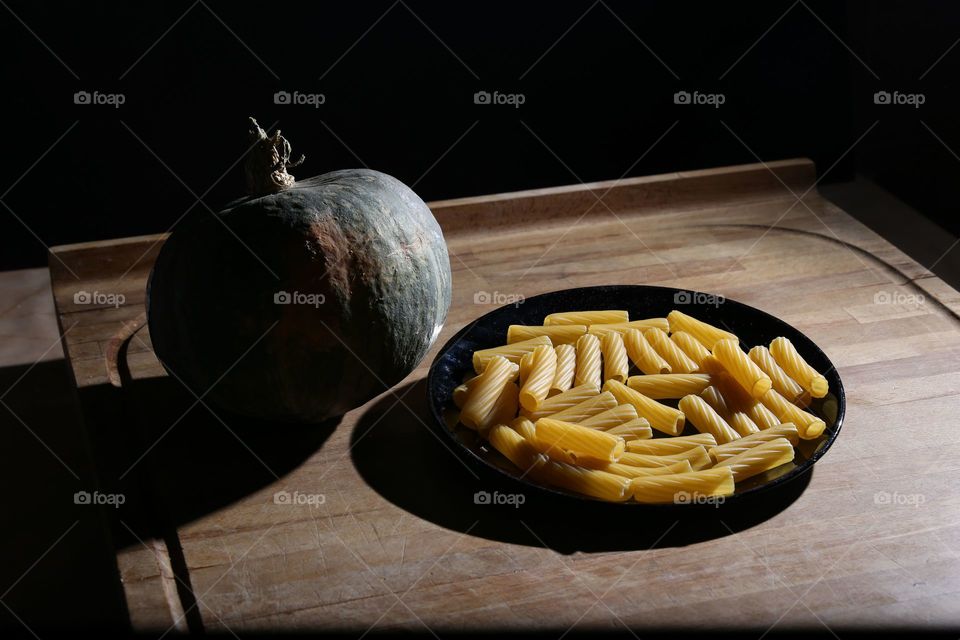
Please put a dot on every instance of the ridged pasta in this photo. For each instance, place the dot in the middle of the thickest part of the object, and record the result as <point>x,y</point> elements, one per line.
<point>741,368</point>
<point>678,360</point>
<point>526,361</point>
<point>643,355</point>
<point>486,390</point>
<point>562,401</point>
<point>616,366</point>
<point>630,471</point>
<point>668,446</point>
<point>569,442</point>
<point>543,368</point>
<point>756,460</point>
<point>706,334</point>
<point>590,482</point>
<point>621,327</point>
<point>762,417</point>
<point>610,418</point>
<point>784,384</point>
<point>512,352</point>
<point>669,385</point>
<point>586,317</point>
<point>797,368</point>
<point>504,407</point>
<point>525,427</point>
<point>730,449</point>
<point>638,429</point>
<point>690,346</point>
<point>566,368</point>
<point>558,334</point>
<point>661,417</point>
<point>683,487</point>
<point>461,392</point>
<point>702,416</point>
<point>589,366</point>
<point>809,426</point>
<point>515,447</point>
<point>586,409</point>
<point>712,396</point>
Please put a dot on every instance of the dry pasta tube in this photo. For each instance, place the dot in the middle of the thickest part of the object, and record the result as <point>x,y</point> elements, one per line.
<point>543,368</point>
<point>504,408</point>
<point>589,482</point>
<point>669,385</point>
<point>586,317</point>
<point>797,368</point>
<point>712,396</point>
<point>756,460</point>
<point>628,471</point>
<point>515,447</point>
<point>568,442</point>
<point>762,417</point>
<point>741,368</point>
<point>638,429</point>
<point>679,361</point>
<point>681,488</point>
<point>486,390</point>
<point>661,417</point>
<point>724,451</point>
<point>643,355</point>
<point>461,392</point>
<point>705,419</point>
<point>512,352</point>
<point>809,426</point>
<point>526,361</point>
<point>784,384</point>
<point>704,333</point>
<point>620,414</point>
<point>697,456</point>
<point>742,423</point>
<point>566,368</point>
<point>616,366</point>
<point>525,427</point>
<point>669,446</point>
<point>586,409</point>
<point>589,369</point>
<point>562,401</point>
<point>621,327</point>
<point>558,334</point>
<point>691,346</point>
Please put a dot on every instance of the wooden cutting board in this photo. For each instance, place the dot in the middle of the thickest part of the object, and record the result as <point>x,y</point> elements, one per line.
<point>378,526</point>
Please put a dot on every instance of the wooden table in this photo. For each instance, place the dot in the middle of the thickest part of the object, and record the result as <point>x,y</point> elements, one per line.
<point>871,537</point>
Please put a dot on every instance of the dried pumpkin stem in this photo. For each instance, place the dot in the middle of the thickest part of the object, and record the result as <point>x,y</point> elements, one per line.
<point>267,162</point>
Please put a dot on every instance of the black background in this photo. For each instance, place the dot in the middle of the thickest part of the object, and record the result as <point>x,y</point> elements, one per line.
<point>399,78</point>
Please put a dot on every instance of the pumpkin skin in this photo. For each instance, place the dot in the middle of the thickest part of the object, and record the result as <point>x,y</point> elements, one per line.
<point>359,240</point>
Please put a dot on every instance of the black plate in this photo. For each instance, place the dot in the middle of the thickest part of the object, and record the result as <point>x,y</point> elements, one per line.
<point>454,364</point>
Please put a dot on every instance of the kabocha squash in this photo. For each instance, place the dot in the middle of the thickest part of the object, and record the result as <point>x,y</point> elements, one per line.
<point>305,299</point>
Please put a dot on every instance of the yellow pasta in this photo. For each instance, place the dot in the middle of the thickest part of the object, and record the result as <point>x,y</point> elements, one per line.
<point>756,460</point>
<point>630,471</point>
<point>638,429</point>
<point>590,482</point>
<point>702,416</point>
<point>669,446</point>
<point>661,417</point>
<point>586,317</point>
<point>808,425</point>
<point>461,392</point>
<point>739,420</point>
<point>486,391</point>
<point>515,447</point>
<point>615,363</point>
<point>621,327</point>
<point>620,414</point>
<point>568,442</point>
<point>762,417</point>
<point>512,352</point>
<point>679,361</point>
<point>543,368</point>
<point>566,368</point>
<point>724,451</point>
<point>741,368</point>
<point>683,487</point>
<point>742,423</point>
<point>586,409</point>
<point>784,384</point>
<point>712,396</point>
<point>526,361</point>
<point>525,427</point>
<point>589,367</point>
<point>643,355</point>
<point>705,334</point>
<point>562,401</point>
<point>797,368</point>
<point>504,408</point>
<point>669,385</point>
<point>691,346</point>
<point>558,334</point>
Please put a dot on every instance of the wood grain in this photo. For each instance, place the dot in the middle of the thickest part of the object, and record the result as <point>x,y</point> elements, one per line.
<point>872,537</point>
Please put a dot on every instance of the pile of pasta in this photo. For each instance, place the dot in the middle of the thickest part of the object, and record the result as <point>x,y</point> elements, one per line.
<point>559,402</point>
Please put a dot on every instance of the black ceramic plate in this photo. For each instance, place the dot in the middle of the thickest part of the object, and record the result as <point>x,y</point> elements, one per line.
<point>454,364</point>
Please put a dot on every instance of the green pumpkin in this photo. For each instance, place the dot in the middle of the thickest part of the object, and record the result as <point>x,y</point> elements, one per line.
<point>305,300</point>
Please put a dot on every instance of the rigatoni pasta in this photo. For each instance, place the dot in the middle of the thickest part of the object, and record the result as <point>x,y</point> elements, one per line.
<point>669,385</point>
<point>558,334</point>
<point>487,389</point>
<point>642,325</point>
<point>690,346</point>
<point>589,369</point>
<point>741,368</point>
<point>643,355</point>
<point>678,360</point>
<point>616,366</point>
<point>705,419</point>
<point>783,383</point>
<point>543,369</point>
<point>797,368</point>
<point>568,442</point>
<point>586,317</point>
<point>512,352</point>
<point>661,417</point>
<point>756,460</point>
<point>681,488</point>
<point>566,368</point>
